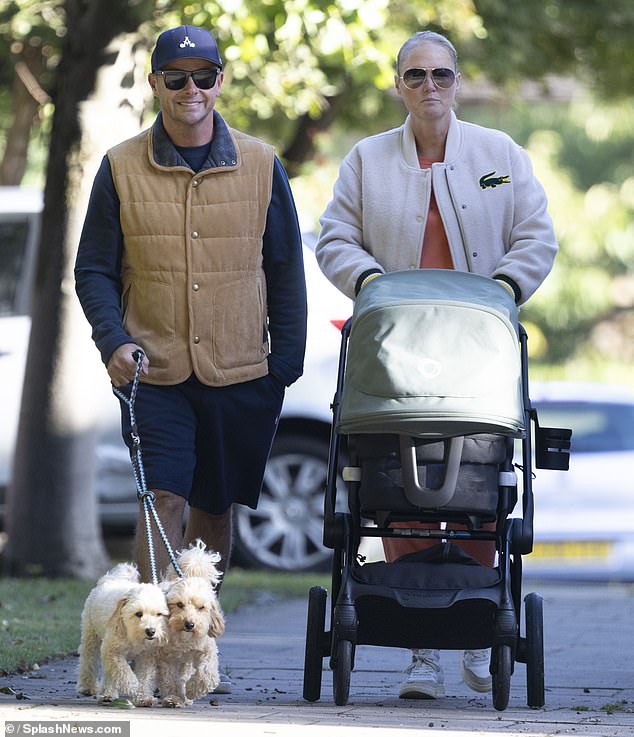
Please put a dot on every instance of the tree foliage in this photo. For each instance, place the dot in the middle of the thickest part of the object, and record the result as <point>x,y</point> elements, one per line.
<point>301,68</point>
<point>296,67</point>
<point>585,39</point>
<point>31,34</point>
<point>583,152</point>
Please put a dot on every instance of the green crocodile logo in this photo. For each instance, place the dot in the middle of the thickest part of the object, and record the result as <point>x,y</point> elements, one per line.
<point>488,180</point>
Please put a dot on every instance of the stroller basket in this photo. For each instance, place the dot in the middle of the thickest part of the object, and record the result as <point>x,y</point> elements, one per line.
<point>433,354</point>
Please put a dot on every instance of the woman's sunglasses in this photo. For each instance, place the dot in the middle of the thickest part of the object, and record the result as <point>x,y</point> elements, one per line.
<point>175,79</point>
<point>440,76</point>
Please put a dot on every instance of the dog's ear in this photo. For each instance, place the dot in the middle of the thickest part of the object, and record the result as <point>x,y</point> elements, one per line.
<point>116,626</point>
<point>162,632</point>
<point>216,620</point>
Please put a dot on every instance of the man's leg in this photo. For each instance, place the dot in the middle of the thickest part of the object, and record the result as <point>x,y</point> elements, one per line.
<point>170,508</point>
<point>214,530</point>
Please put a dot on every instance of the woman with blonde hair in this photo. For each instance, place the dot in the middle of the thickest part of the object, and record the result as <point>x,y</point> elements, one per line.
<point>437,192</point>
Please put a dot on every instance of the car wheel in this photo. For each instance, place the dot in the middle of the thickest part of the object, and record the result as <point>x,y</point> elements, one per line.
<point>285,532</point>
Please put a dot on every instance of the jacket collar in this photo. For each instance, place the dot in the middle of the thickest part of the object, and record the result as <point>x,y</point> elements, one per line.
<point>408,142</point>
<point>223,153</point>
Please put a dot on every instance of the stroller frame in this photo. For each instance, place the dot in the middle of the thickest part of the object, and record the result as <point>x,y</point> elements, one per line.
<point>482,614</point>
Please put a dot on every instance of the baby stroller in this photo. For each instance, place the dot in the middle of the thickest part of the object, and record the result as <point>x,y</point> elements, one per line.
<point>432,393</point>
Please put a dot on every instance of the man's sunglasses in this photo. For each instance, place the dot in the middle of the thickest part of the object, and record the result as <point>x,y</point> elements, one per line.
<point>440,76</point>
<point>175,79</point>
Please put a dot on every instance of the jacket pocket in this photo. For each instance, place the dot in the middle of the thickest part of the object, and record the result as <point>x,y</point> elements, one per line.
<point>149,319</point>
<point>240,336</point>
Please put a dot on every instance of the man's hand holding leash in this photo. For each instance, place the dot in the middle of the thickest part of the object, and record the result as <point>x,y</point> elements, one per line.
<point>122,364</point>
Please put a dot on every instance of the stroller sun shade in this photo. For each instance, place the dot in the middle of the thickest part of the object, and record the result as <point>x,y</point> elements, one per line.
<point>433,353</point>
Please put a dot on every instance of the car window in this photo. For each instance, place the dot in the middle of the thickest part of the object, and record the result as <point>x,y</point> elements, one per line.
<point>597,427</point>
<point>13,239</point>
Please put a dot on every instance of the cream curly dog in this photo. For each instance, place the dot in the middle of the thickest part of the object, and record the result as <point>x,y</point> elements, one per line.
<point>123,621</point>
<point>188,661</point>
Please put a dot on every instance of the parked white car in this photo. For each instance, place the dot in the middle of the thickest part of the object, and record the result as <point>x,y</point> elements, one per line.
<point>285,532</point>
<point>19,229</point>
<point>584,517</point>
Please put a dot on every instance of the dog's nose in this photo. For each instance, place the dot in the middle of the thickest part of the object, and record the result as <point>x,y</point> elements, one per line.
<point>189,626</point>
<point>150,632</point>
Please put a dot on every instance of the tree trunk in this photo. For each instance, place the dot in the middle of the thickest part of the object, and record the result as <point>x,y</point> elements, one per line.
<point>302,147</point>
<point>27,98</point>
<point>52,520</point>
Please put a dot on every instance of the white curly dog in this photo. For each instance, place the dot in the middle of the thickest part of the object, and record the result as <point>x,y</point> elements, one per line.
<point>123,622</point>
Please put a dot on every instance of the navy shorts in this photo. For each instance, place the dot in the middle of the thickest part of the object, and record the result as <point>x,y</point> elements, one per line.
<point>207,444</point>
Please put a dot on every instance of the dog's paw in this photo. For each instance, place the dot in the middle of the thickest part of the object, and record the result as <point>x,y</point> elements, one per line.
<point>173,702</point>
<point>198,686</point>
<point>144,700</point>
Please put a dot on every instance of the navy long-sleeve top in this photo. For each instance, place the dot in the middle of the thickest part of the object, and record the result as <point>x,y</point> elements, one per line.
<point>98,263</point>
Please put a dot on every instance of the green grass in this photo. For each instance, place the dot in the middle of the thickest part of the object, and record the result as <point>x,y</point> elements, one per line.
<point>618,706</point>
<point>40,618</point>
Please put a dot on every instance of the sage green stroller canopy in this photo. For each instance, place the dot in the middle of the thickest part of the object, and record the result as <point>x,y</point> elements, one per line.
<point>433,353</point>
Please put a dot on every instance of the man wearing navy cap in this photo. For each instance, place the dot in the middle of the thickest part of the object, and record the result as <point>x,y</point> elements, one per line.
<point>191,252</point>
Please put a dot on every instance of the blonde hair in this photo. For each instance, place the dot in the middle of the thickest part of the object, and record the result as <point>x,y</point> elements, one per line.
<point>429,37</point>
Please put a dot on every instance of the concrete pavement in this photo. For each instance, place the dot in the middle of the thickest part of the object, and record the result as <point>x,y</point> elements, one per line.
<point>589,639</point>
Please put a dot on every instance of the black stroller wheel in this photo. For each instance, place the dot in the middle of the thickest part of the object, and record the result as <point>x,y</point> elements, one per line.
<point>534,650</point>
<point>502,662</point>
<point>341,672</point>
<point>315,634</point>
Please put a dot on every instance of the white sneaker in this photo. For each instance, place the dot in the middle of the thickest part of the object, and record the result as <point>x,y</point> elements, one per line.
<point>224,685</point>
<point>475,670</point>
<point>425,679</point>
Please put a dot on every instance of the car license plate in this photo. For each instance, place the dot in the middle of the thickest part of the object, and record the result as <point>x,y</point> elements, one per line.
<point>572,550</point>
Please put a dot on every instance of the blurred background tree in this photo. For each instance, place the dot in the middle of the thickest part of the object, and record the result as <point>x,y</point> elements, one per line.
<point>313,76</point>
<point>51,515</point>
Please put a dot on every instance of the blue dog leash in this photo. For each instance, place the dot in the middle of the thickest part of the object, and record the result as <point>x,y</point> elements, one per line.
<point>145,496</point>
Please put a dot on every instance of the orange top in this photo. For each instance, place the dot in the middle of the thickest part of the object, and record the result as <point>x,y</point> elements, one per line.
<point>436,253</point>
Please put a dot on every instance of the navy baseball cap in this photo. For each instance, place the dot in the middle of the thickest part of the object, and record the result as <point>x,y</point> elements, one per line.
<point>185,42</point>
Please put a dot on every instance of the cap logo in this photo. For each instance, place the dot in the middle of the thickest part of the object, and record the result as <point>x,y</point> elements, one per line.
<point>182,43</point>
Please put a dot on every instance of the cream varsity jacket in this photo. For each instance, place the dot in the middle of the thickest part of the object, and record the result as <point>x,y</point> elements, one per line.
<point>492,206</point>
